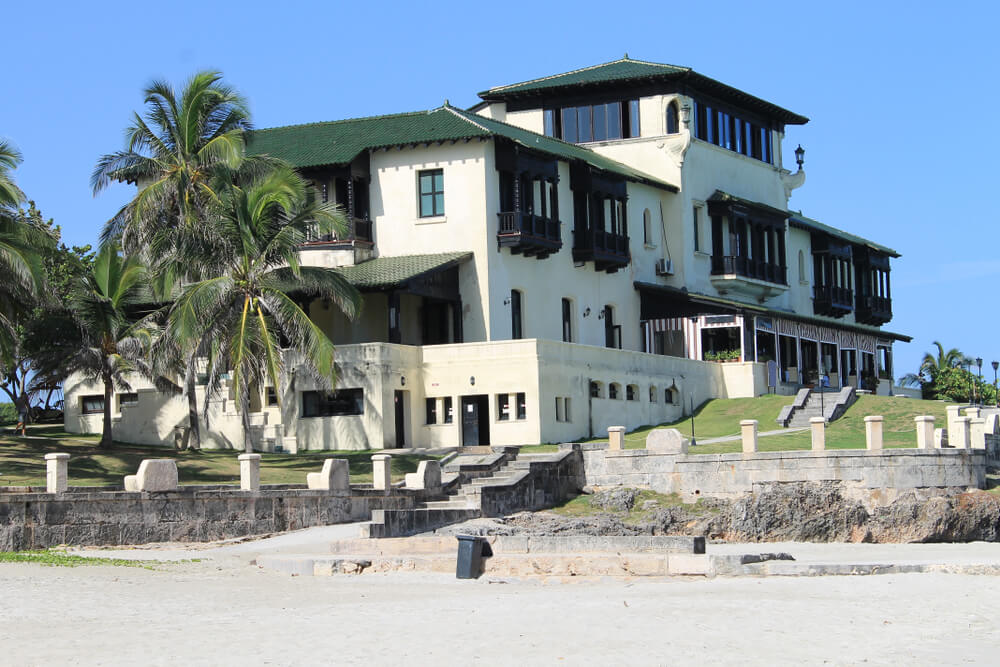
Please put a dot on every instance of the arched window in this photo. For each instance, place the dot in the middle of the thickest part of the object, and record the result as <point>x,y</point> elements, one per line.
<point>652,393</point>
<point>673,116</point>
<point>567,320</point>
<point>802,267</point>
<point>647,227</point>
<point>632,392</point>
<point>596,389</point>
<point>614,391</point>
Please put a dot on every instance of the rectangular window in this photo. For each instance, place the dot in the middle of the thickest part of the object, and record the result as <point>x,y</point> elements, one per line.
<point>448,414</point>
<point>431,411</point>
<point>130,398</point>
<point>569,131</point>
<point>633,118</point>
<point>614,120</point>
<point>567,321</point>
<point>550,122</point>
<point>503,407</point>
<point>567,416</point>
<point>559,409</point>
<point>697,228</point>
<point>270,397</point>
<point>91,404</point>
<point>341,402</point>
<point>709,125</point>
<point>600,122</point>
<point>584,124</point>
<point>516,330</point>
<point>522,405</point>
<point>431,193</point>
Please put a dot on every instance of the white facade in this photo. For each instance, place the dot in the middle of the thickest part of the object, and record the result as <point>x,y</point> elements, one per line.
<point>433,350</point>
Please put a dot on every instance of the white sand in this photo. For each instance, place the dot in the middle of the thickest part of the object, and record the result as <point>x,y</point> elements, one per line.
<point>217,613</point>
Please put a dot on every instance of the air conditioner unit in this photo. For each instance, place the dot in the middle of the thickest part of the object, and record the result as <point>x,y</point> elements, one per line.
<point>664,267</point>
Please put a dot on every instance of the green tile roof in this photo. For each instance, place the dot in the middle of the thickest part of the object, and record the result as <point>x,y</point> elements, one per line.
<point>630,71</point>
<point>385,273</point>
<point>339,142</point>
<point>721,196</point>
<point>801,221</point>
<point>625,69</point>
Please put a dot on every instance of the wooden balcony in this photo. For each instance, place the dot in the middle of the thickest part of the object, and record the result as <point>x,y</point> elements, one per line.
<point>529,234</point>
<point>608,251</point>
<point>748,276</point>
<point>832,301</point>
<point>874,310</point>
<point>359,232</point>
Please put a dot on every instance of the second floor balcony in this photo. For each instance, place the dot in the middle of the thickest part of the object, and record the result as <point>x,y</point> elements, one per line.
<point>874,310</point>
<point>832,301</point>
<point>749,276</point>
<point>607,250</point>
<point>532,235</point>
<point>359,232</point>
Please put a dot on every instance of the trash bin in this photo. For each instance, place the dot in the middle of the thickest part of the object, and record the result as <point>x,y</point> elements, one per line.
<point>471,549</point>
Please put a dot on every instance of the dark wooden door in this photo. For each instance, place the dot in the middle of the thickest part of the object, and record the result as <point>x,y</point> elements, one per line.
<point>475,421</point>
<point>400,419</point>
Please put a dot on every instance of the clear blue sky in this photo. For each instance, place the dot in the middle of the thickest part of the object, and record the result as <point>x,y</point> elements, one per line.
<point>902,99</point>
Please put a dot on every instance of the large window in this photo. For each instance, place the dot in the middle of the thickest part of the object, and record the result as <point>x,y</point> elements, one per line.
<point>337,403</point>
<point>594,122</point>
<point>92,404</point>
<point>431,193</point>
<point>732,132</point>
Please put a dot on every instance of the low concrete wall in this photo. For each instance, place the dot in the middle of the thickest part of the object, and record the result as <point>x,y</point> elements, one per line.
<point>541,482</point>
<point>39,520</point>
<point>729,475</point>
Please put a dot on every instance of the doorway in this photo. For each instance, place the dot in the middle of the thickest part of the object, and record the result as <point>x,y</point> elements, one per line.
<point>475,420</point>
<point>399,398</point>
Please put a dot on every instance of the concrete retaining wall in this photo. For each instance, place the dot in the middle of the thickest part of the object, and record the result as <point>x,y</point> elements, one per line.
<point>39,520</point>
<point>729,475</point>
<point>542,482</point>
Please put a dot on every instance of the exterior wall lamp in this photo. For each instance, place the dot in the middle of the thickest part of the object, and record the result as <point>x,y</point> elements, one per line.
<point>800,156</point>
<point>472,380</point>
<point>402,380</point>
<point>686,114</point>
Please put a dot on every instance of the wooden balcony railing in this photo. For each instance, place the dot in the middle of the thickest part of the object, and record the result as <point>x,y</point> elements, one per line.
<point>833,301</point>
<point>873,309</point>
<point>607,250</point>
<point>748,268</point>
<point>529,234</point>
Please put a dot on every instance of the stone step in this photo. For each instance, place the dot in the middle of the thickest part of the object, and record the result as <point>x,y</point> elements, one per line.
<point>465,503</point>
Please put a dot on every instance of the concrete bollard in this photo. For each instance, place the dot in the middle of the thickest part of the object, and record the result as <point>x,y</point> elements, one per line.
<point>940,438</point>
<point>616,438</point>
<point>748,432</point>
<point>953,412</point>
<point>56,472</point>
<point>249,472</point>
<point>925,431</point>
<point>873,432</point>
<point>958,434</point>
<point>977,433</point>
<point>817,427</point>
<point>381,472</point>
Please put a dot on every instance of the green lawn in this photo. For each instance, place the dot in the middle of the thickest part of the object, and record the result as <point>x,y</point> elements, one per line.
<point>22,462</point>
<point>721,417</point>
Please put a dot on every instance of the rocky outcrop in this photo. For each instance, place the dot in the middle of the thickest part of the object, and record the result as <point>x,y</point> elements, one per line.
<point>801,512</point>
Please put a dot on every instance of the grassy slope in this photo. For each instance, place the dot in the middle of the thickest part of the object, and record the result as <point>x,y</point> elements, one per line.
<point>22,462</point>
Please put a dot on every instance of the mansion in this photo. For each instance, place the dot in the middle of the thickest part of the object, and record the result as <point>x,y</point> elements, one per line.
<point>608,246</point>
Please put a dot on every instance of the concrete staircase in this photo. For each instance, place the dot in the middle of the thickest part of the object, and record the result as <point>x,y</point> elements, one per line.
<point>463,480</point>
<point>827,403</point>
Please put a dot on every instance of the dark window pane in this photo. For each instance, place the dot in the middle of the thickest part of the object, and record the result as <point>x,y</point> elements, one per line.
<point>584,124</point>
<point>567,321</point>
<point>614,111</point>
<point>92,404</point>
<point>600,123</point>
<point>337,403</point>
<point>448,416</point>
<point>522,407</point>
<point>569,125</point>
<point>515,314</point>
<point>503,407</point>
<point>431,411</point>
<point>672,121</point>
<point>709,125</point>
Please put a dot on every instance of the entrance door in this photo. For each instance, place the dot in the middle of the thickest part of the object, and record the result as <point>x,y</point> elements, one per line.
<point>398,397</point>
<point>475,420</point>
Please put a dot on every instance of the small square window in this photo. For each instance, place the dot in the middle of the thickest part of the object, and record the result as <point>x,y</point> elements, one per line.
<point>431,193</point>
<point>131,398</point>
<point>91,404</point>
<point>271,398</point>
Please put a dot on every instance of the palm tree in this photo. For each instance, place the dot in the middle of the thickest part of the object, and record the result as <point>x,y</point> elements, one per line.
<point>113,343</point>
<point>248,306</point>
<point>172,153</point>
<point>932,364</point>
<point>21,263</point>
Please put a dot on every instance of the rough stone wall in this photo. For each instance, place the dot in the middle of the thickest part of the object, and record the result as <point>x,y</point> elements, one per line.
<point>728,475</point>
<point>542,483</point>
<point>39,520</point>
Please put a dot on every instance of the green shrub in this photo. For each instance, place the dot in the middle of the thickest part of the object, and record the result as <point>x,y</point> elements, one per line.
<point>8,415</point>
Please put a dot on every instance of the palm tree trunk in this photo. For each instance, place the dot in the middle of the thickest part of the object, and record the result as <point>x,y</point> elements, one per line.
<point>108,393</point>
<point>194,434</point>
<point>245,410</point>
